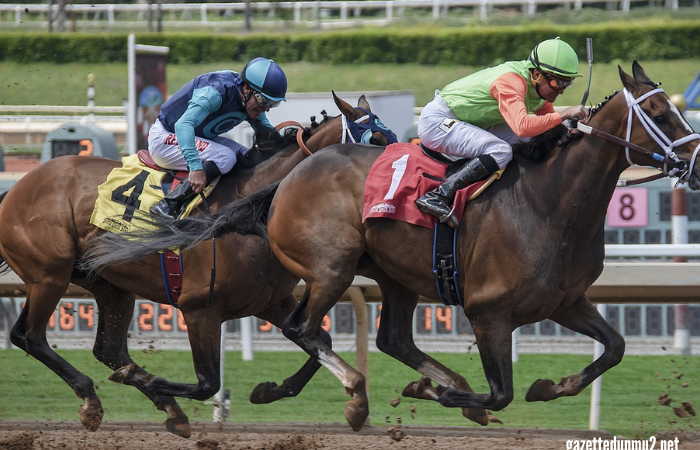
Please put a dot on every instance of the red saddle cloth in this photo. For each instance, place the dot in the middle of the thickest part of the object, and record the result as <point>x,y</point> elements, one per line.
<point>396,180</point>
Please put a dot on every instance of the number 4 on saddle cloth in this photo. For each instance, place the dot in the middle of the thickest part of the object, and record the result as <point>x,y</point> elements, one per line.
<point>128,193</point>
<point>401,175</point>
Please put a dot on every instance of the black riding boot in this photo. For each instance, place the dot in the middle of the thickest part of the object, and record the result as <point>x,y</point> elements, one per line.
<point>171,205</point>
<point>439,201</point>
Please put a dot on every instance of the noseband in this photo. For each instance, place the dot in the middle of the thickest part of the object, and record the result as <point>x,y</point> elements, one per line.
<point>678,167</point>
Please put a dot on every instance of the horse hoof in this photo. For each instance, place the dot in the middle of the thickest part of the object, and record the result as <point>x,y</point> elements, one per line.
<point>122,374</point>
<point>179,427</point>
<point>422,389</point>
<point>264,393</point>
<point>477,415</point>
<point>541,391</point>
<point>356,417</point>
<point>91,415</point>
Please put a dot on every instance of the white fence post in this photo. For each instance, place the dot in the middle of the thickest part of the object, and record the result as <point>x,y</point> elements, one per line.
<point>247,338</point>
<point>297,12</point>
<point>203,13</point>
<point>679,233</point>
<point>597,385</point>
<point>220,407</point>
<point>110,16</point>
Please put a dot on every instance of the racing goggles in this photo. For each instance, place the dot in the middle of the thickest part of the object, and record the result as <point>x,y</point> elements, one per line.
<point>263,101</point>
<point>557,83</point>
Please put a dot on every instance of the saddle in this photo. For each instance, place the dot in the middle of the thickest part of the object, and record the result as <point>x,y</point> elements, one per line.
<point>169,182</point>
<point>423,170</point>
<point>128,193</point>
<point>453,163</point>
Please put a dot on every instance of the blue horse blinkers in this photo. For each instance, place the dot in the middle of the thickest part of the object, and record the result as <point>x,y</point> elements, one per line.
<point>360,132</point>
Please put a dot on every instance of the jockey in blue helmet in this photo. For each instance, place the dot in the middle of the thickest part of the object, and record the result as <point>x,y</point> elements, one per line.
<point>186,135</point>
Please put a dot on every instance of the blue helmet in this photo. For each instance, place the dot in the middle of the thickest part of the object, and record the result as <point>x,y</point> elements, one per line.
<point>266,76</point>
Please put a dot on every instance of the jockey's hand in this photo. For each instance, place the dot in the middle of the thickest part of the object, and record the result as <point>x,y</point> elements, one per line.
<point>578,111</point>
<point>198,180</point>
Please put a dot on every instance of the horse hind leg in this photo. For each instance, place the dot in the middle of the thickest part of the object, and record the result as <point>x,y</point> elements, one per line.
<point>29,334</point>
<point>395,338</point>
<point>116,311</point>
<point>269,391</point>
<point>584,318</point>
<point>204,333</point>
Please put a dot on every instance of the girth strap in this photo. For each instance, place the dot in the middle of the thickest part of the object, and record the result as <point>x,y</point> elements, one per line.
<point>445,264</point>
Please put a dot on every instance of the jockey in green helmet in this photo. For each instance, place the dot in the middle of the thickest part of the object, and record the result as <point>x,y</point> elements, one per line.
<point>481,115</point>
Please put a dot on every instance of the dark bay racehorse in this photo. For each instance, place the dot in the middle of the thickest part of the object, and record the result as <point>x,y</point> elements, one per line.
<point>45,228</point>
<point>528,248</point>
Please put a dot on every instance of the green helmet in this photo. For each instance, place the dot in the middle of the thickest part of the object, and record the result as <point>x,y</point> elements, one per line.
<point>556,57</point>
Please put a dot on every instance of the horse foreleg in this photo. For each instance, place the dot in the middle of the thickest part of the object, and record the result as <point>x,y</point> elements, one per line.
<point>395,338</point>
<point>493,336</point>
<point>303,327</point>
<point>204,333</point>
<point>116,310</point>
<point>29,334</point>
<point>269,391</point>
<point>584,318</point>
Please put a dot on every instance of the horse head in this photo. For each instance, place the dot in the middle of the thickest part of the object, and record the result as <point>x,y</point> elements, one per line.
<point>654,123</point>
<point>361,125</point>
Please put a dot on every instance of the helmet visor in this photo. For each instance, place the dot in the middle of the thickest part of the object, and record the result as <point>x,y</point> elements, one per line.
<point>263,101</point>
<point>558,84</point>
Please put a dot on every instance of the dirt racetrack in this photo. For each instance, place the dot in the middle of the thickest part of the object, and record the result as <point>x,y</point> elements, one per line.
<point>290,436</point>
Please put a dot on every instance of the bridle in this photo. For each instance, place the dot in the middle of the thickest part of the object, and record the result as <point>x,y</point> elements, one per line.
<point>360,129</point>
<point>672,165</point>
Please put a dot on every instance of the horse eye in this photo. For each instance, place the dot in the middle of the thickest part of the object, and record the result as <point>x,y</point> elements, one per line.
<point>660,119</point>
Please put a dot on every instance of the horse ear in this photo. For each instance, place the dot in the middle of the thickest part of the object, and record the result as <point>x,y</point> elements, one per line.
<point>627,81</point>
<point>640,75</point>
<point>363,103</point>
<point>345,108</point>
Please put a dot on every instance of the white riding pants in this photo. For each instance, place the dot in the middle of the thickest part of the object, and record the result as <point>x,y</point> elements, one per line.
<point>166,152</point>
<point>439,129</point>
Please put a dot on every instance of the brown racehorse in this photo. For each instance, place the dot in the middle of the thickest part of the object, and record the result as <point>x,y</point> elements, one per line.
<point>45,229</point>
<point>528,249</point>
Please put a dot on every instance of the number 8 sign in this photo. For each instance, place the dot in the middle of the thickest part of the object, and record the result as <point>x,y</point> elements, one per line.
<point>628,208</point>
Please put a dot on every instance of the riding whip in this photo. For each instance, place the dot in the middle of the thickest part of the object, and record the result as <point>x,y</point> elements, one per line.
<point>589,53</point>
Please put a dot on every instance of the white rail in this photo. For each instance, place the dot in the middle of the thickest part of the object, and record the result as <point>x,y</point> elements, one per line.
<point>651,250</point>
<point>63,109</point>
<point>345,9</point>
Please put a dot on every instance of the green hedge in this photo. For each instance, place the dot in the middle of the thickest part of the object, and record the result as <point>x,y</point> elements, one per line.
<point>467,46</point>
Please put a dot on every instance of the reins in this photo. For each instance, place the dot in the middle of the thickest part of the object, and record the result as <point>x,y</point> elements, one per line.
<point>679,168</point>
<point>300,138</point>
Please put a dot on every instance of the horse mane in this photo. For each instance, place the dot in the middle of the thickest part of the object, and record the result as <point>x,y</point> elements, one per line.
<point>262,150</point>
<point>541,147</point>
<point>265,149</point>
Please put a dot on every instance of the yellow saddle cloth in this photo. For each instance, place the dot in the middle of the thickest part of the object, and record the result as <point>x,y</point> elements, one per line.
<point>129,192</point>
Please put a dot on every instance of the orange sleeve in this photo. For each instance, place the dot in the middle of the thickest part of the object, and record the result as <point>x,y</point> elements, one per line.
<point>509,90</point>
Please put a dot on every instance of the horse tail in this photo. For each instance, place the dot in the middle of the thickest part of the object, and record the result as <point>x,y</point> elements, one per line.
<point>247,216</point>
